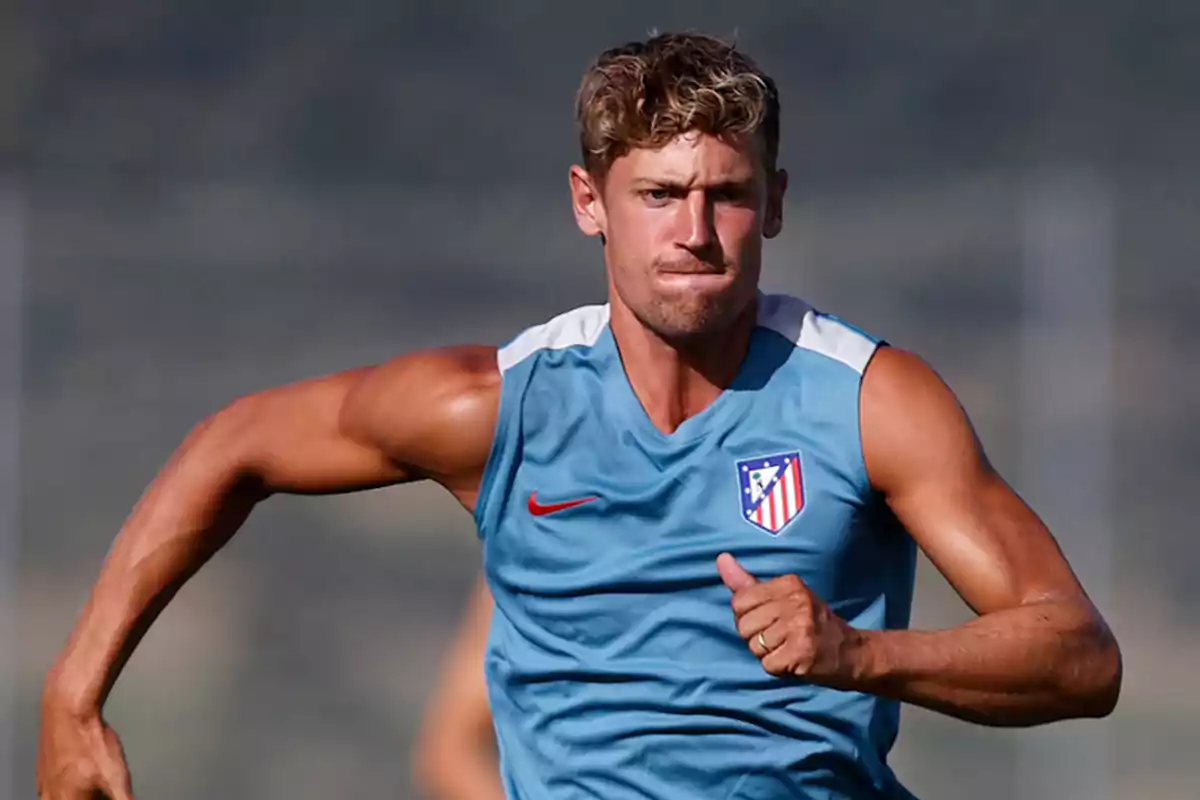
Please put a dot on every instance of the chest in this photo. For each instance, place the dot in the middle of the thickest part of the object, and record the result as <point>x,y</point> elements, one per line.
<point>595,506</point>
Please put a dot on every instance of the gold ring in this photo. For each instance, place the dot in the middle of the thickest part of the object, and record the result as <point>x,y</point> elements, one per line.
<point>762,641</point>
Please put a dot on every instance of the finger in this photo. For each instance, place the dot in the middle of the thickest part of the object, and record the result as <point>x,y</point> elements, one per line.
<point>116,769</point>
<point>784,587</point>
<point>785,659</point>
<point>769,639</point>
<point>789,587</point>
<point>732,573</point>
<point>757,620</point>
<point>118,788</point>
<point>118,783</point>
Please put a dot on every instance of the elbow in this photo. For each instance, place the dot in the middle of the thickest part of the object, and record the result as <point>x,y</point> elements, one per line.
<point>229,442</point>
<point>1093,680</point>
<point>1111,670</point>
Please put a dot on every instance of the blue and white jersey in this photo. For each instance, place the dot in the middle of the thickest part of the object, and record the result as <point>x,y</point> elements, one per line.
<point>614,665</point>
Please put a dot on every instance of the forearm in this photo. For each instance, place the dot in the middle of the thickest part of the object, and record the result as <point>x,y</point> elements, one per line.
<point>1023,666</point>
<point>193,507</point>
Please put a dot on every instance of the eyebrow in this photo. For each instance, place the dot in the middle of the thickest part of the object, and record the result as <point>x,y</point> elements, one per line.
<point>676,183</point>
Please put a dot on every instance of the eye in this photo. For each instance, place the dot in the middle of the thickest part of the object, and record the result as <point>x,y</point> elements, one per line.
<point>731,194</point>
<point>657,195</point>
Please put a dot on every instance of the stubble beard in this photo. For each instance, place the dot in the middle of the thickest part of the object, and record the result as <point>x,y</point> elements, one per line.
<point>687,321</point>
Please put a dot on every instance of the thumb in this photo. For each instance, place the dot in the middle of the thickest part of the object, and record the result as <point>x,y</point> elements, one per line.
<point>117,782</point>
<point>118,787</point>
<point>732,573</point>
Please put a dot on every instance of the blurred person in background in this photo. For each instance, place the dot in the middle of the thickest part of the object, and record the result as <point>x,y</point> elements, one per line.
<point>455,756</point>
<point>615,459</point>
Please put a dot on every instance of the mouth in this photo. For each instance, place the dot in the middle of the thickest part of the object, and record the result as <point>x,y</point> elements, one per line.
<point>697,280</point>
<point>699,268</point>
<point>699,273</point>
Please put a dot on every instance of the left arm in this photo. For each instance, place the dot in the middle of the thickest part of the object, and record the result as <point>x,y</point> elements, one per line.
<point>1037,652</point>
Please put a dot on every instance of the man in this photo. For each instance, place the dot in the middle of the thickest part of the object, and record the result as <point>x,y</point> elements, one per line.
<point>699,504</point>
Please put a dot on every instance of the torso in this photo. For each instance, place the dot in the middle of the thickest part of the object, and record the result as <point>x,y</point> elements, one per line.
<point>614,666</point>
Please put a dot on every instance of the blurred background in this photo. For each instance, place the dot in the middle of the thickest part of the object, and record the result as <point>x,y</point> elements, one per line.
<point>199,199</point>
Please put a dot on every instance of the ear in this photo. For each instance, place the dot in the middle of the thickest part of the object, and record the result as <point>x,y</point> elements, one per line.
<point>587,203</point>
<point>773,215</point>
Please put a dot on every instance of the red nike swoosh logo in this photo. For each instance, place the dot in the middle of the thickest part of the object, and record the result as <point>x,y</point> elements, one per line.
<point>541,510</point>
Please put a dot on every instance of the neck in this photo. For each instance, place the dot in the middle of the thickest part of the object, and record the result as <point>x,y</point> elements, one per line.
<point>677,380</point>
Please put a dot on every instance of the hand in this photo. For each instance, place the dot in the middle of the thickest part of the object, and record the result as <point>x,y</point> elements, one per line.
<point>791,630</point>
<point>80,758</point>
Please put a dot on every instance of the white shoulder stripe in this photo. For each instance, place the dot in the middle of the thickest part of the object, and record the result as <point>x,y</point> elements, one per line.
<point>801,324</point>
<point>580,326</point>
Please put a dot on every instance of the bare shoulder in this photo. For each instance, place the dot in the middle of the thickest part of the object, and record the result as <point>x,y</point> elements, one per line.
<point>895,375</point>
<point>913,425</point>
<point>449,373</point>
<point>432,410</point>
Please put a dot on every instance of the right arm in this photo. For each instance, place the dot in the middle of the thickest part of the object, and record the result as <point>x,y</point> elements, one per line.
<point>425,416</point>
<point>455,757</point>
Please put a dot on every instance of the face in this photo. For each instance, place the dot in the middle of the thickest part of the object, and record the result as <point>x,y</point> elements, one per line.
<point>683,228</point>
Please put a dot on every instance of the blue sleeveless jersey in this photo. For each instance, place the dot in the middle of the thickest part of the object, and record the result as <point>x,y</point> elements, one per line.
<point>614,665</point>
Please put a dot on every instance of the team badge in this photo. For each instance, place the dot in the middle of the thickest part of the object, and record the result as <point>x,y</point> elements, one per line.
<point>772,490</point>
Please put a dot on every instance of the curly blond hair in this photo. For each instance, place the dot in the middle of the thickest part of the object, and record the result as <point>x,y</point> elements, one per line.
<point>644,94</point>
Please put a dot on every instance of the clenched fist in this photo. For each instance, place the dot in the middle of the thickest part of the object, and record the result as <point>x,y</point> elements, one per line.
<point>80,758</point>
<point>791,630</point>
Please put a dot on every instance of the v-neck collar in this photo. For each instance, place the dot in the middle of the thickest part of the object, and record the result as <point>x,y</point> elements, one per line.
<point>726,404</point>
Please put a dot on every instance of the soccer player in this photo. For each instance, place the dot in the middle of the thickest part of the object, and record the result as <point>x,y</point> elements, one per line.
<point>699,504</point>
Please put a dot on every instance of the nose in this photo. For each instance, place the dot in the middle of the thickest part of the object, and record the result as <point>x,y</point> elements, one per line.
<point>696,230</point>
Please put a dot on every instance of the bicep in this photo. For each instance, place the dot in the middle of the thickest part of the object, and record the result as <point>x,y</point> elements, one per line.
<point>427,415</point>
<point>925,458</point>
<point>292,439</point>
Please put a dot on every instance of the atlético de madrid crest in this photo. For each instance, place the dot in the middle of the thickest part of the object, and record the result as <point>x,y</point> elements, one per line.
<point>772,490</point>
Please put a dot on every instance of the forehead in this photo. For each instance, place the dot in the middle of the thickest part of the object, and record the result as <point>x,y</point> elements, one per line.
<point>692,157</point>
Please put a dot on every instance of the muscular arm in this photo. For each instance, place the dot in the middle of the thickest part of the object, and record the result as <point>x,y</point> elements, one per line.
<point>429,415</point>
<point>455,756</point>
<point>1039,650</point>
